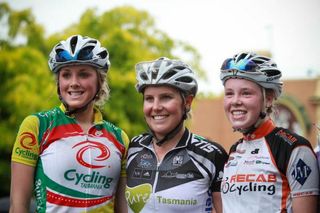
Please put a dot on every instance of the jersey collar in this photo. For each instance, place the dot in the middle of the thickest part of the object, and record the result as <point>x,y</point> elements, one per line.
<point>182,143</point>
<point>264,129</point>
<point>97,114</point>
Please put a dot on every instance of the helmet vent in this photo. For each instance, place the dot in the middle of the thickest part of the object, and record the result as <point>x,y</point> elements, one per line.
<point>85,53</point>
<point>270,73</point>
<point>103,54</point>
<point>169,74</point>
<point>154,73</point>
<point>185,79</point>
<point>73,43</point>
<point>144,76</point>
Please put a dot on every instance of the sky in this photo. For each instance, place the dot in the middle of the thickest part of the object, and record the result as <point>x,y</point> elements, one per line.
<point>218,29</point>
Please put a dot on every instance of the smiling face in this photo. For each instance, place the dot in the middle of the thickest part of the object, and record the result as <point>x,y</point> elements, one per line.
<point>77,85</point>
<point>243,102</point>
<point>163,108</point>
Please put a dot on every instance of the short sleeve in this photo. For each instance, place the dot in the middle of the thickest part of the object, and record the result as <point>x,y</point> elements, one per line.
<point>26,146</point>
<point>303,172</point>
<point>219,161</point>
<point>126,141</point>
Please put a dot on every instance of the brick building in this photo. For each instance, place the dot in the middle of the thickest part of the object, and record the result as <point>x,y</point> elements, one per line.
<point>298,109</point>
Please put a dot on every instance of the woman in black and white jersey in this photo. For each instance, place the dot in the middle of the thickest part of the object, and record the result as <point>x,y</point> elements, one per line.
<point>270,169</point>
<point>170,169</point>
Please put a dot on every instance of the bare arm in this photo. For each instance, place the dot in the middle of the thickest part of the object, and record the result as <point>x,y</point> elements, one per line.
<point>120,200</point>
<point>21,187</point>
<point>217,202</point>
<point>305,204</point>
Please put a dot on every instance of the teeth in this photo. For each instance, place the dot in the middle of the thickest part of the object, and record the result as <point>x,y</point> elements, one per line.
<point>75,93</point>
<point>238,112</point>
<point>158,117</point>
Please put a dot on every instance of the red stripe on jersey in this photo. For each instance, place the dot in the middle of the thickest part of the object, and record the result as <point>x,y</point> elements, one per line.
<point>74,202</point>
<point>112,138</point>
<point>58,132</point>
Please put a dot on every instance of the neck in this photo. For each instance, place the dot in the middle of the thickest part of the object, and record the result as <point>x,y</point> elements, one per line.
<point>170,144</point>
<point>86,116</point>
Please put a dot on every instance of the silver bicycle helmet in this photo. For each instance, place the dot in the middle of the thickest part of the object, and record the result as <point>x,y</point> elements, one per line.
<point>164,71</point>
<point>79,50</point>
<point>251,66</point>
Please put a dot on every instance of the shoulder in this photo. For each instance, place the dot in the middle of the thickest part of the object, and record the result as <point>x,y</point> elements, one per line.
<point>138,139</point>
<point>119,133</point>
<point>233,148</point>
<point>204,146</point>
<point>56,111</point>
<point>284,138</point>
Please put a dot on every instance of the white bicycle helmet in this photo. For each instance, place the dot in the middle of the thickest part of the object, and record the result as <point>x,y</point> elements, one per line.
<point>164,71</point>
<point>79,50</point>
<point>259,69</point>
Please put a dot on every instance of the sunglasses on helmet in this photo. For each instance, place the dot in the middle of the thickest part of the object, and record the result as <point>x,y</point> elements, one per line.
<point>83,55</point>
<point>242,65</point>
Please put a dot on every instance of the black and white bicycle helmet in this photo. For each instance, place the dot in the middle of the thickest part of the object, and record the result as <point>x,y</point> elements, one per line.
<point>79,50</point>
<point>251,66</point>
<point>164,71</point>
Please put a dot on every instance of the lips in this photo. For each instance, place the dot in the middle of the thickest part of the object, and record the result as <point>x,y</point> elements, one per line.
<point>238,114</point>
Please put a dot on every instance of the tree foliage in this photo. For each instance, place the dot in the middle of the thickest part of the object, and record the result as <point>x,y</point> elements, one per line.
<point>27,86</point>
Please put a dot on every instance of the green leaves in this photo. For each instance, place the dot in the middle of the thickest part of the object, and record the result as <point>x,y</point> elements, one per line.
<point>27,86</point>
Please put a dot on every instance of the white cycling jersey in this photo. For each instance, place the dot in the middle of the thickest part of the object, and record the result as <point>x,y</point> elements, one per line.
<point>266,171</point>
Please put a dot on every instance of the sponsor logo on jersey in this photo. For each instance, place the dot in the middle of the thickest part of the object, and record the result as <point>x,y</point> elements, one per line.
<point>87,148</point>
<point>27,141</point>
<point>205,145</point>
<point>141,174</point>
<point>286,136</point>
<point>232,161</point>
<point>177,160</point>
<point>256,151</point>
<point>138,196</point>
<point>170,174</point>
<point>242,183</point>
<point>93,180</point>
<point>145,163</point>
<point>240,151</point>
<point>301,172</point>
<point>173,201</point>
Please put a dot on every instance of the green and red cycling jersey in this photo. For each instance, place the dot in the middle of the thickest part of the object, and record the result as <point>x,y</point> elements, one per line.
<point>75,171</point>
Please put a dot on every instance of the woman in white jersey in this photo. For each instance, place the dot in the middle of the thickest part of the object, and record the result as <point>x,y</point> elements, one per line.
<point>72,159</point>
<point>270,169</point>
<point>170,169</point>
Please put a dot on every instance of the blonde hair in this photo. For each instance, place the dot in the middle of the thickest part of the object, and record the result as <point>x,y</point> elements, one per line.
<point>104,91</point>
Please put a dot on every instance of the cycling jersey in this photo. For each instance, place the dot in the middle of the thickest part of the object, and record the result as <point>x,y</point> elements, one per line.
<point>182,182</point>
<point>75,171</point>
<point>267,169</point>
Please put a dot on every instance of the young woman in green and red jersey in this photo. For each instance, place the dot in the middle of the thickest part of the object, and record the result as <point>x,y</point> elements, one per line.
<point>71,158</point>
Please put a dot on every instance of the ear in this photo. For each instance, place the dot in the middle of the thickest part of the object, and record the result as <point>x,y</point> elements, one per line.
<point>189,100</point>
<point>270,97</point>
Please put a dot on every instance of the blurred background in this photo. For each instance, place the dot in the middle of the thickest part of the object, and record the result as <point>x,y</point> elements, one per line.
<point>201,32</point>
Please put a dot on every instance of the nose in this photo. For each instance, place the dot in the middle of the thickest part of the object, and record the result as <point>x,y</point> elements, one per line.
<point>74,81</point>
<point>236,101</point>
<point>157,106</point>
